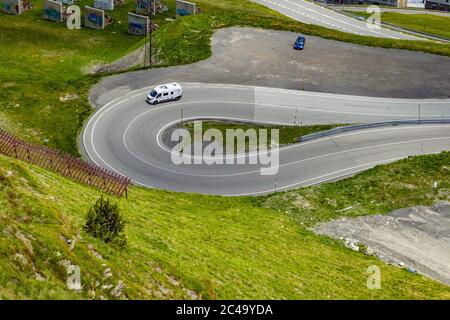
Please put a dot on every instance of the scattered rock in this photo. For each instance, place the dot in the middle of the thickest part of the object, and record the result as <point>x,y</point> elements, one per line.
<point>191,294</point>
<point>369,251</point>
<point>107,286</point>
<point>173,281</point>
<point>68,97</point>
<point>118,290</point>
<point>73,283</point>
<point>412,270</point>
<point>352,244</point>
<point>91,294</point>
<point>165,291</point>
<point>72,244</point>
<point>66,240</point>
<point>26,242</point>
<point>94,252</point>
<point>65,263</point>
<point>107,273</point>
<point>21,258</point>
<point>39,277</point>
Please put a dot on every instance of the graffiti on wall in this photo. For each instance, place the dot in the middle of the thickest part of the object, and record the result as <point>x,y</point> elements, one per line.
<point>11,6</point>
<point>67,1</point>
<point>137,24</point>
<point>53,11</point>
<point>94,18</point>
<point>104,4</point>
<point>185,8</point>
<point>143,6</point>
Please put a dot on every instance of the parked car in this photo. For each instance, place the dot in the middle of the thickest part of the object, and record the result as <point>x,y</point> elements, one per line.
<point>164,93</point>
<point>299,43</point>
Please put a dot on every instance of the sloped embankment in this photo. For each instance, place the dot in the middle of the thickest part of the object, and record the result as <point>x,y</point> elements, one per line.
<point>417,238</point>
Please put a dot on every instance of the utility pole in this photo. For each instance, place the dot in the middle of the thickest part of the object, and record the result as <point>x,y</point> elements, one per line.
<point>295,117</point>
<point>150,45</point>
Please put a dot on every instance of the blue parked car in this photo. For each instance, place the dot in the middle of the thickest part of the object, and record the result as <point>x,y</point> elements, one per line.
<point>299,43</point>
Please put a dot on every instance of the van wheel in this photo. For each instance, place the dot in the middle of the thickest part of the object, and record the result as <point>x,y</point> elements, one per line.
<point>155,103</point>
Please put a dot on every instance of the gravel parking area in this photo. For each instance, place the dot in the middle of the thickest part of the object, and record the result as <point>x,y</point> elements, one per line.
<point>266,58</point>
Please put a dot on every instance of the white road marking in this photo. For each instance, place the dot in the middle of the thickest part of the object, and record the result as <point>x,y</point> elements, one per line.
<point>117,102</point>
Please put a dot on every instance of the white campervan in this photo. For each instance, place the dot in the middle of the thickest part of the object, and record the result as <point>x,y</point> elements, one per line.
<point>165,92</point>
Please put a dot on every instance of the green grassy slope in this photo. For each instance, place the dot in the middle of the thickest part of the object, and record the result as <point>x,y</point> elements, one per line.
<point>42,63</point>
<point>402,184</point>
<point>180,245</point>
<point>184,245</point>
<point>287,134</point>
<point>432,24</point>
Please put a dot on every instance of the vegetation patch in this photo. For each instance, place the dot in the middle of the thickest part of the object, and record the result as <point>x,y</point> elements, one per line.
<point>287,134</point>
<point>190,246</point>
<point>105,222</point>
<point>44,92</point>
<point>402,184</point>
<point>428,23</point>
<point>179,246</point>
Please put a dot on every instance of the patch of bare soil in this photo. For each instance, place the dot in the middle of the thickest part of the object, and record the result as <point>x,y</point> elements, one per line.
<point>133,59</point>
<point>416,238</point>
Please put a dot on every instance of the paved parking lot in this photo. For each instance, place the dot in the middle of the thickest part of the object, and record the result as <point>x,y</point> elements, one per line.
<point>266,58</point>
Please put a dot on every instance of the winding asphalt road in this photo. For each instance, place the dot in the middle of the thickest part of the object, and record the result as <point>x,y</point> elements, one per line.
<point>131,137</point>
<point>312,13</point>
<point>392,9</point>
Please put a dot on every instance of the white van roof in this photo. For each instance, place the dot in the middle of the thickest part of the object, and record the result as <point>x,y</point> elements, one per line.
<point>168,86</point>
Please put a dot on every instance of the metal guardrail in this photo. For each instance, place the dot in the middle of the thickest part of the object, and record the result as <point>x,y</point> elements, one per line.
<point>357,127</point>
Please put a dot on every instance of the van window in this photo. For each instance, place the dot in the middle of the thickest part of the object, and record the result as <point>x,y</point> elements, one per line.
<point>159,95</point>
<point>166,94</point>
<point>153,93</point>
<point>171,92</point>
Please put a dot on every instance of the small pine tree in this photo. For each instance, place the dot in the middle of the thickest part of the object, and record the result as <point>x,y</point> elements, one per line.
<point>105,222</point>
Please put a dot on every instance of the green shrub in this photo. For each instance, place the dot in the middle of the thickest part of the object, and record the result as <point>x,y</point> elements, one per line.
<point>105,222</point>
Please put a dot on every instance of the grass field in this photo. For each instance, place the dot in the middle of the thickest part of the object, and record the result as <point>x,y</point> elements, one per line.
<point>287,134</point>
<point>406,183</point>
<point>44,91</point>
<point>193,246</point>
<point>180,245</point>
<point>428,23</point>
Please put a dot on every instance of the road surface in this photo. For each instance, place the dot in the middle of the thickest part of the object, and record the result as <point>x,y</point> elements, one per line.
<point>312,13</point>
<point>393,9</point>
<point>131,137</point>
